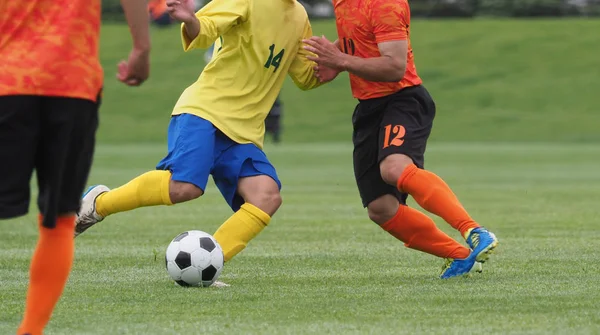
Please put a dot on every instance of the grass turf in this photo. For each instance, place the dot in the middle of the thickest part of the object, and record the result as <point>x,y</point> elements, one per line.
<point>321,267</point>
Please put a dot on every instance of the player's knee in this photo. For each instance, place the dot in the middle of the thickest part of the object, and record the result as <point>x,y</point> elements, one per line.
<point>271,202</point>
<point>181,192</point>
<point>379,215</point>
<point>383,209</point>
<point>392,166</point>
<point>268,201</point>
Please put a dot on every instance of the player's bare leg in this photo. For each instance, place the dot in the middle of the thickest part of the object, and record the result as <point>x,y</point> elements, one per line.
<point>262,199</point>
<point>435,196</point>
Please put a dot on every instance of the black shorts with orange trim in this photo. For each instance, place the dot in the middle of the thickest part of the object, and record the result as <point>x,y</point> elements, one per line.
<point>54,136</point>
<point>399,123</point>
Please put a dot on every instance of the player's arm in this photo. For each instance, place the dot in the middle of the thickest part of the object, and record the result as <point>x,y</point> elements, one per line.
<point>136,69</point>
<point>201,29</point>
<point>390,27</point>
<point>390,66</point>
<point>136,14</point>
<point>302,70</point>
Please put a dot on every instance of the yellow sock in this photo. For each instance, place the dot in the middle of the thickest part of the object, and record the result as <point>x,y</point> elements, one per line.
<point>149,189</point>
<point>235,233</point>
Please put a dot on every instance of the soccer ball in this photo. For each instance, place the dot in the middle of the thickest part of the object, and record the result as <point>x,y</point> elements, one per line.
<point>194,258</point>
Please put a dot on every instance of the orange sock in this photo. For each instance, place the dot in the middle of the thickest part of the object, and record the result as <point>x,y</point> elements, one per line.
<point>435,196</point>
<point>50,267</point>
<point>419,232</point>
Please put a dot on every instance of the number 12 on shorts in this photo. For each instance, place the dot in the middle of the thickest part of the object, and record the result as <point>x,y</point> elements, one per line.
<point>397,132</point>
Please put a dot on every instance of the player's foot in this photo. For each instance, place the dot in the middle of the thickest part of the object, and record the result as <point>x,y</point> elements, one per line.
<point>87,215</point>
<point>459,267</point>
<point>219,284</point>
<point>482,242</point>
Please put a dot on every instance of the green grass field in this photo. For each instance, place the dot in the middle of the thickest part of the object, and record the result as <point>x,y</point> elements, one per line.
<point>516,137</point>
<point>322,267</point>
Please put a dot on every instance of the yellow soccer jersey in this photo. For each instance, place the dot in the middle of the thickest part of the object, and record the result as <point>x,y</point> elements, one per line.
<point>258,43</point>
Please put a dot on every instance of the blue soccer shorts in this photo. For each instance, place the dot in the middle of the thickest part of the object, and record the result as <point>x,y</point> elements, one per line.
<point>198,149</point>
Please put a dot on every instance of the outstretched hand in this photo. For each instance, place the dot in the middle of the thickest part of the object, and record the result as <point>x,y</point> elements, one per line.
<point>327,54</point>
<point>181,10</point>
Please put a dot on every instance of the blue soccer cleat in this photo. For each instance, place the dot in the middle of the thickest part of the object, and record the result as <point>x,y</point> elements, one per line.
<point>482,242</point>
<point>459,267</point>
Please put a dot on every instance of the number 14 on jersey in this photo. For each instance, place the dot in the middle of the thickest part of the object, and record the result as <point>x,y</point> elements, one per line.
<point>274,60</point>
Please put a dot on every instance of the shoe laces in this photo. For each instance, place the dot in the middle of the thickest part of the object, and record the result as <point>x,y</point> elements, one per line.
<point>475,239</point>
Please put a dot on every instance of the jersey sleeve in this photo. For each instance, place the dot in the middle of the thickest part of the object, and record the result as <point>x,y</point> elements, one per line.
<point>216,18</point>
<point>390,20</point>
<point>302,69</point>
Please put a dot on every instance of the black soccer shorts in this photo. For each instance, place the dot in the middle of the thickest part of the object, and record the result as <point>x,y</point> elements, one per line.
<point>54,136</point>
<point>399,123</point>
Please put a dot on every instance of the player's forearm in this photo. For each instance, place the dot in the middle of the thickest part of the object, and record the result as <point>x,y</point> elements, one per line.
<point>136,13</point>
<point>381,69</point>
<point>192,28</point>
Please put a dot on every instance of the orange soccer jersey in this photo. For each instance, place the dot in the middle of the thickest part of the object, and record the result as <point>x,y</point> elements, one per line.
<point>157,8</point>
<point>361,25</point>
<point>50,47</point>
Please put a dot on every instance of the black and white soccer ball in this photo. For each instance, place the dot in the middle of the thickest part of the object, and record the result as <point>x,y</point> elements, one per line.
<point>194,258</point>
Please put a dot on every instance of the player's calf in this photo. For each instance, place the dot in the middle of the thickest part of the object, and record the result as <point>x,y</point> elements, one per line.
<point>262,199</point>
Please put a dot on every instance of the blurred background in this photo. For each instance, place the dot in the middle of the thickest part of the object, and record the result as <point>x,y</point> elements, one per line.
<point>517,134</point>
<point>499,70</point>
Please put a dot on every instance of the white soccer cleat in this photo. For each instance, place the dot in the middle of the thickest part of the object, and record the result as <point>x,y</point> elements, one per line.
<point>87,215</point>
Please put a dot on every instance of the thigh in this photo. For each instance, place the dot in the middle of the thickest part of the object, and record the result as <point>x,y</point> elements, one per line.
<point>191,144</point>
<point>65,153</point>
<point>19,134</point>
<point>406,125</point>
<point>240,161</point>
<point>365,157</point>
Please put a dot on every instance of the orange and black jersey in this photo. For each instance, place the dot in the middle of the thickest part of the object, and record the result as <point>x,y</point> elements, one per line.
<point>361,25</point>
<point>50,48</point>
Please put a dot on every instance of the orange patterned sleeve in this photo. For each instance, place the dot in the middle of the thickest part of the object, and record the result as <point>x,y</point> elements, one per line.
<point>390,20</point>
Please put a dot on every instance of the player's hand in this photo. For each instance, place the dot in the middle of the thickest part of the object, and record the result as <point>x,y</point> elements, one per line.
<point>327,53</point>
<point>136,69</point>
<point>182,10</point>
<point>325,74</point>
